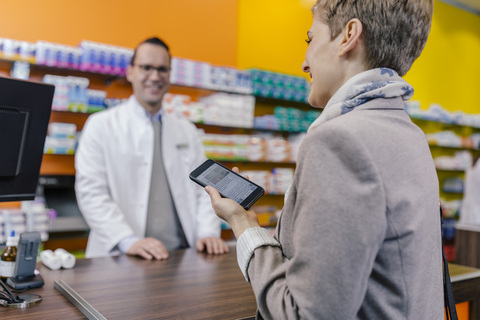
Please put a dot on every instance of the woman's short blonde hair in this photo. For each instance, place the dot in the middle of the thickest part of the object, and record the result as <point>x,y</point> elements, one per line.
<point>395,31</point>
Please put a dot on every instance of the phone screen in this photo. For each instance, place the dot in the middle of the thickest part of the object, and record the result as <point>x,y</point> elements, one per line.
<point>227,183</point>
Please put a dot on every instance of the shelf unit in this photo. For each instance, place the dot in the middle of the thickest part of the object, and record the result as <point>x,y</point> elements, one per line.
<point>431,126</point>
<point>118,87</point>
<point>433,145</point>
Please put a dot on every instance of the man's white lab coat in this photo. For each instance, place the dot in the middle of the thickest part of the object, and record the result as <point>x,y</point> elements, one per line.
<point>470,211</point>
<point>113,171</point>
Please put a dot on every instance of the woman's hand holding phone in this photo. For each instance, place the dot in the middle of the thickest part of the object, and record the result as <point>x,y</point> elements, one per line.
<point>233,213</point>
<point>228,183</point>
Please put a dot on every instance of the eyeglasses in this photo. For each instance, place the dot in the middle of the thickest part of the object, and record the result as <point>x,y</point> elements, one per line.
<point>147,69</point>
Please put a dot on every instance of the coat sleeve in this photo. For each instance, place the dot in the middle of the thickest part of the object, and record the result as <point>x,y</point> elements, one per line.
<point>336,226</point>
<point>100,211</point>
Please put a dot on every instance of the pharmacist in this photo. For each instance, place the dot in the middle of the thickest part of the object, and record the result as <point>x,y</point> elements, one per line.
<point>359,236</point>
<point>132,167</point>
<point>470,211</point>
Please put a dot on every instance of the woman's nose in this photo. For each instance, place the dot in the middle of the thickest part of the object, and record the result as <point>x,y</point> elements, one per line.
<point>305,67</point>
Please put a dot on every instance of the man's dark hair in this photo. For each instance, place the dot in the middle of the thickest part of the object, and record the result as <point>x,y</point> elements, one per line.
<point>155,41</point>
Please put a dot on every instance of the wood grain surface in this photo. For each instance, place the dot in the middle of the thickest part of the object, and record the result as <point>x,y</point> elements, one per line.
<point>189,285</point>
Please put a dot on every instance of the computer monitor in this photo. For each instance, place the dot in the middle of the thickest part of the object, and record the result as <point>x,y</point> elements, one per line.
<point>24,115</point>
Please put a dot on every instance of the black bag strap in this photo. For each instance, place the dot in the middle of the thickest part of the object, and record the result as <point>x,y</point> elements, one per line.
<point>451,310</point>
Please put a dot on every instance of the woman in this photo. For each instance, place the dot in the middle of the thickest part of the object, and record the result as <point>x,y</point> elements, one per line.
<point>359,236</point>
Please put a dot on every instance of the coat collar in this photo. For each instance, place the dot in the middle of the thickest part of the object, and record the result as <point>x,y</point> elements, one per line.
<point>141,112</point>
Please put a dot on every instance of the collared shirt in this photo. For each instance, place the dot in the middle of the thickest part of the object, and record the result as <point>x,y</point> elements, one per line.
<point>127,242</point>
<point>157,116</point>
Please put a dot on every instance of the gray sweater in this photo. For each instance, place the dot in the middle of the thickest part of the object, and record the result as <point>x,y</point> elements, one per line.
<point>360,230</point>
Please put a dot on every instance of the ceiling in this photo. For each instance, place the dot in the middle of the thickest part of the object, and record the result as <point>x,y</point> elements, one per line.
<point>469,5</point>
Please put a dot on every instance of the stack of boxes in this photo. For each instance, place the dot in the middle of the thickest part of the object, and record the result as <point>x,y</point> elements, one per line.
<point>190,73</point>
<point>57,55</point>
<point>96,100</point>
<point>87,56</point>
<point>33,216</point>
<point>436,112</point>
<point>293,119</point>
<point>17,50</point>
<point>461,160</point>
<point>72,94</point>
<point>241,147</point>
<point>204,75</point>
<point>104,58</point>
<point>231,110</point>
<point>61,138</point>
<point>275,181</point>
<point>221,109</point>
<point>279,86</point>
<point>451,139</point>
<point>227,147</point>
<point>453,185</point>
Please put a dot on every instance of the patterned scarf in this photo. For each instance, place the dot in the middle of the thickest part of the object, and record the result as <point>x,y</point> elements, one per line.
<point>365,86</point>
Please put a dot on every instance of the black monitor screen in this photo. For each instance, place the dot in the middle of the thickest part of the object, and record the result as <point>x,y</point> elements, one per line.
<point>24,115</point>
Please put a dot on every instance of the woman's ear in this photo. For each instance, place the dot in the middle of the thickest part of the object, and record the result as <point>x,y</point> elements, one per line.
<point>351,36</point>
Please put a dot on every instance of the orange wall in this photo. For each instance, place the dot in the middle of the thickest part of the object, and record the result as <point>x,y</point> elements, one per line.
<point>202,30</point>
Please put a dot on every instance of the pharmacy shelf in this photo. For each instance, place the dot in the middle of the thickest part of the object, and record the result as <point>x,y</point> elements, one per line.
<point>291,103</point>
<point>450,170</point>
<point>62,71</point>
<point>64,164</point>
<point>445,123</point>
<point>451,147</point>
<point>107,78</point>
<point>451,192</point>
<point>77,118</point>
<point>270,163</point>
<point>228,129</point>
<point>58,164</point>
<point>118,87</point>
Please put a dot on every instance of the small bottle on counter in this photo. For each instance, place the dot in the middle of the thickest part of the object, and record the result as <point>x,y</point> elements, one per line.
<point>9,255</point>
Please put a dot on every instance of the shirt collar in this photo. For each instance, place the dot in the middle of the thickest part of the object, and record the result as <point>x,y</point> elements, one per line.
<point>155,117</point>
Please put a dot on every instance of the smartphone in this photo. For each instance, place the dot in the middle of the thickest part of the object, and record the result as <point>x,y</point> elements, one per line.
<point>228,183</point>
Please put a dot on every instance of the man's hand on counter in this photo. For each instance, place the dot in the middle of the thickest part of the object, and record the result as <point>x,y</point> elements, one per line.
<point>149,248</point>
<point>212,245</point>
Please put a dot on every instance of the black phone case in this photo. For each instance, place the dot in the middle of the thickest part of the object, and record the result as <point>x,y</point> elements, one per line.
<point>197,172</point>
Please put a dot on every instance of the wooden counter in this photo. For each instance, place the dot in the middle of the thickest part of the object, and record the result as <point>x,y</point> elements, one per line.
<point>189,285</point>
<point>466,288</point>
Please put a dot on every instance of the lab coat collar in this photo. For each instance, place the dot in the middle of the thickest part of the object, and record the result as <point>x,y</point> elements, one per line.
<point>141,111</point>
